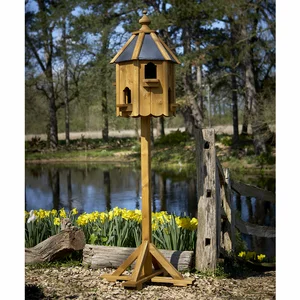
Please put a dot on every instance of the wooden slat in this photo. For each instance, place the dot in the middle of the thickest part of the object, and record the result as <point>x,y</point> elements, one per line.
<point>180,282</point>
<point>133,284</point>
<point>160,46</point>
<point>221,172</point>
<point>173,55</point>
<point>138,46</point>
<point>252,191</point>
<point>112,278</point>
<point>132,257</point>
<point>256,230</point>
<point>140,260</point>
<point>122,49</point>
<point>164,263</point>
<point>229,205</point>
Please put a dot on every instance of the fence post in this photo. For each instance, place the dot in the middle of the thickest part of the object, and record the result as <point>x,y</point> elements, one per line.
<point>209,216</point>
<point>231,213</point>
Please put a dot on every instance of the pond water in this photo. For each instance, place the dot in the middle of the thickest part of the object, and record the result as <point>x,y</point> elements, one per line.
<point>101,187</point>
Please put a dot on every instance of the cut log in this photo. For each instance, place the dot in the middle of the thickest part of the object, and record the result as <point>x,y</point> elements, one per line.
<point>96,257</point>
<point>56,246</point>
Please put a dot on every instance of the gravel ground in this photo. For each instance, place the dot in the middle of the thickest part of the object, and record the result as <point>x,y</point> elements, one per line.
<point>81,283</point>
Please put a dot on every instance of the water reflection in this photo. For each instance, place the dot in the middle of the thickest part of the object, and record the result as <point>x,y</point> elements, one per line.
<point>90,187</point>
<point>256,212</point>
<point>94,186</point>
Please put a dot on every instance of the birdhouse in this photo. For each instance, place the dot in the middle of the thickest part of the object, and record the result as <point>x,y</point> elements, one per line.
<point>145,75</point>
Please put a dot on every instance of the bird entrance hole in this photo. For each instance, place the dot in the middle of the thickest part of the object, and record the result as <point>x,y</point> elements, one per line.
<point>150,71</point>
<point>208,193</point>
<point>206,145</point>
<point>207,242</point>
<point>127,95</point>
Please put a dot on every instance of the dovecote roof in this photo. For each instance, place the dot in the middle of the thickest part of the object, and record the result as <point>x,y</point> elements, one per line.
<point>145,44</point>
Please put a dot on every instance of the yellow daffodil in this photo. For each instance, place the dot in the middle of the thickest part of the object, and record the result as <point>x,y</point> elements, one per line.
<point>242,254</point>
<point>56,221</point>
<point>193,224</point>
<point>74,211</point>
<point>62,213</point>
<point>260,257</point>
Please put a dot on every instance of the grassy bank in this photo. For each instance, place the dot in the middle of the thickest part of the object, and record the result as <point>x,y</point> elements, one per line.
<point>172,152</point>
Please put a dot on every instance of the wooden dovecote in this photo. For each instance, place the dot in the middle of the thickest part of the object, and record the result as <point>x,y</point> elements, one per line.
<point>145,75</point>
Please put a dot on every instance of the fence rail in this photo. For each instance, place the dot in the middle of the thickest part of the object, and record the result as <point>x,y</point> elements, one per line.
<point>217,217</point>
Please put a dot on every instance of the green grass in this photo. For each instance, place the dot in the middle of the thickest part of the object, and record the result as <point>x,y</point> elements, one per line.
<point>174,153</point>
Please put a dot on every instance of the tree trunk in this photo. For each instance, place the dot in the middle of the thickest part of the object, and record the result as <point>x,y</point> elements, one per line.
<point>234,93</point>
<point>104,114</point>
<point>56,246</point>
<point>66,85</point>
<point>246,116</point>
<point>107,190</point>
<point>188,118</point>
<point>196,111</point>
<point>235,120</point>
<point>104,100</point>
<point>52,120</point>
<point>151,132</point>
<point>199,93</point>
<point>53,177</point>
<point>69,188</point>
<point>160,127</point>
<point>260,129</point>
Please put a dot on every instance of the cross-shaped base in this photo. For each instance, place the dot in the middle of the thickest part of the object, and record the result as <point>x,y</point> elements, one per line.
<point>147,253</point>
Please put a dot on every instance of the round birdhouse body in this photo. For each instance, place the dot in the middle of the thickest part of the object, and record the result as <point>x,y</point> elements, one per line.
<point>145,75</point>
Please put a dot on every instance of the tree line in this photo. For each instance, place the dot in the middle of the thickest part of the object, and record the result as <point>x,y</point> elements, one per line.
<point>226,49</point>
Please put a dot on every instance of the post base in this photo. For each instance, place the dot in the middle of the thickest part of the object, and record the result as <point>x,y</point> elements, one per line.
<point>147,253</point>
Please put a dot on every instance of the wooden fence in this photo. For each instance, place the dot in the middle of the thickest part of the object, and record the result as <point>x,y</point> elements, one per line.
<point>217,220</point>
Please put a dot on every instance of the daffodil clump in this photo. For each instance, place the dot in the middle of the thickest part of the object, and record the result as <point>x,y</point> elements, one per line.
<point>118,227</point>
<point>41,224</point>
<point>252,256</point>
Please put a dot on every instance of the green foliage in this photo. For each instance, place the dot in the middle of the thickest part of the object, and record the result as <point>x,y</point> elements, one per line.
<point>226,140</point>
<point>170,235</point>
<point>173,138</point>
<point>265,159</point>
<point>44,225</point>
<point>118,227</point>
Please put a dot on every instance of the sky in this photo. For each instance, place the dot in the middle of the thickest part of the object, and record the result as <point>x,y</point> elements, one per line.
<point>12,145</point>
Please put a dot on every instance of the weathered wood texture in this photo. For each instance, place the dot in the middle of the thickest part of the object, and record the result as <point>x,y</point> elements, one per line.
<point>209,217</point>
<point>256,230</point>
<point>252,191</point>
<point>228,217</point>
<point>56,246</point>
<point>97,256</point>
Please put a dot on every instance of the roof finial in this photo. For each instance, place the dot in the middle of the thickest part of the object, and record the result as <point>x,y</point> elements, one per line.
<point>145,21</point>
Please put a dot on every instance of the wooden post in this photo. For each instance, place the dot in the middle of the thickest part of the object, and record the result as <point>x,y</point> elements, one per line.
<point>147,254</point>
<point>146,187</point>
<point>208,232</point>
<point>231,211</point>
